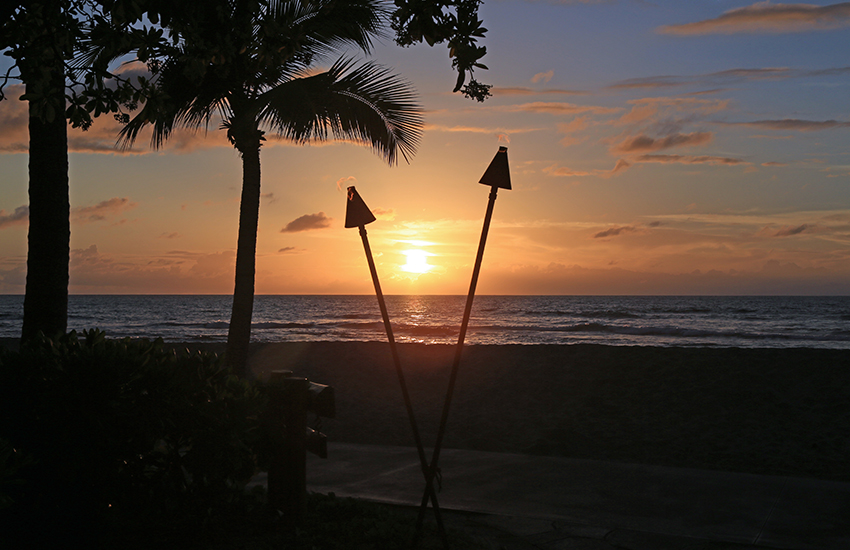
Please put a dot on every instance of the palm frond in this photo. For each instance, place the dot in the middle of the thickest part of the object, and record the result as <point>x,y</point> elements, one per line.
<point>319,27</point>
<point>365,103</point>
<point>178,102</point>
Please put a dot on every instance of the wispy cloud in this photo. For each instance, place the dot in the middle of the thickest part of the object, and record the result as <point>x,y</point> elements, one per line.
<point>565,172</point>
<point>614,231</point>
<point>643,143</point>
<point>764,17</point>
<point>725,78</point>
<point>560,108</point>
<point>19,217</point>
<point>102,211</point>
<point>791,231</point>
<point>478,129</point>
<point>346,182</point>
<point>543,77</point>
<point>384,213</point>
<point>520,90</point>
<point>573,127</point>
<point>793,124</point>
<point>308,222</point>
<point>653,108</point>
<point>690,159</point>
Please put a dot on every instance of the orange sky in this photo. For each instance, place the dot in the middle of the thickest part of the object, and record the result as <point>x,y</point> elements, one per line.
<point>672,148</point>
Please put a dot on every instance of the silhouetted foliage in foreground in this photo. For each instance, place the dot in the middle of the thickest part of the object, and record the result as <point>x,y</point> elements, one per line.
<point>125,444</point>
<point>106,429</point>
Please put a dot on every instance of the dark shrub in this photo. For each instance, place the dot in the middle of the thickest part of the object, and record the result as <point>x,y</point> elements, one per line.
<point>120,429</point>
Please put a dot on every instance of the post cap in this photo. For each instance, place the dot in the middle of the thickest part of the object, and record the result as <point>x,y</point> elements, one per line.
<point>356,212</point>
<point>498,174</point>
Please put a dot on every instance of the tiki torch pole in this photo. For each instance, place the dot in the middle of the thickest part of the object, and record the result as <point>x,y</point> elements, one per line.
<point>496,176</point>
<point>357,214</point>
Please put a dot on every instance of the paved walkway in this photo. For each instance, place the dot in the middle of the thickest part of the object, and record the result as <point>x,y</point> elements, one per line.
<point>522,501</point>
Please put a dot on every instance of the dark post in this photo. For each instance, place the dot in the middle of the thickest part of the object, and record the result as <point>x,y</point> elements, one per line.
<point>295,454</point>
<point>290,399</point>
<point>276,426</point>
<point>287,423</point>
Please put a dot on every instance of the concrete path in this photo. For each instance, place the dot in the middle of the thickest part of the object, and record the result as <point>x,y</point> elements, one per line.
<point>560,503</point>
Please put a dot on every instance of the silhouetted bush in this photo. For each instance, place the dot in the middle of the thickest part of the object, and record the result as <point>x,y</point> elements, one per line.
<point>114,432</point>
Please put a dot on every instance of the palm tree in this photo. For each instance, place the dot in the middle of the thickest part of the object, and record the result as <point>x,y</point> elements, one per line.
<point>246,62</point>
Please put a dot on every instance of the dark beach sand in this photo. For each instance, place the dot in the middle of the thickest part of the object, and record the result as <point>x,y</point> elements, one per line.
<point>770,411</point>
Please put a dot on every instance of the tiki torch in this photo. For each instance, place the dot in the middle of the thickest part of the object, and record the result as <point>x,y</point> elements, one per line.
<point>497,176</point>
<point>357,214</point>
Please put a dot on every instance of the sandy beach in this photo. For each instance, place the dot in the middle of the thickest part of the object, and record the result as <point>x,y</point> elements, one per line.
<point>771,411</point>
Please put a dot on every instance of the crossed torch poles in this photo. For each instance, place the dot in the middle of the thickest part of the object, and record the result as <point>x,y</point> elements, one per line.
<point>358,214</point>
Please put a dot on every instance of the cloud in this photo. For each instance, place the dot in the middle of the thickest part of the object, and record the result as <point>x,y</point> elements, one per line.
<point>576,125</point>
<point>690,159</point>
<point>308,222</point>
<point>790,231</point>
<point>384,213</point>
<point>621,165</point>
<point>478,129</point>
<point>764,17</point>
<point>564,172</point>
<point>543,77</point>
<point>570,128</point>
<point>14,120</point>
<point>650,82</point>
<point>763,73</point>
<point>170,236</point>
<point>95,272</point>
<point>614,231</point>
<point>287,250</point>
<point>520,90</point>
<point>650,108</point>
<point>774,163</point>
<point>724,78</point>
<point>644,143</point>
<point>560,108</point>
<point>792,124</point>
<point>102,210</point>
<point>19,217</point>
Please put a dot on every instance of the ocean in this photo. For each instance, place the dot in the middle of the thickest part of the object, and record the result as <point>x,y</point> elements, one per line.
<point>667,321</point>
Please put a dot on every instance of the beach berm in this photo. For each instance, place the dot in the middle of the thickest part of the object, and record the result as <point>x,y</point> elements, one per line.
<point>767,411</point>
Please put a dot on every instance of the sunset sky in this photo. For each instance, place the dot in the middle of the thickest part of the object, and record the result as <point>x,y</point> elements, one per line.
<point>655,146</point>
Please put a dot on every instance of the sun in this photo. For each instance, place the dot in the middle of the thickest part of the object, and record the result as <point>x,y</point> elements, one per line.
<point>417,261</point>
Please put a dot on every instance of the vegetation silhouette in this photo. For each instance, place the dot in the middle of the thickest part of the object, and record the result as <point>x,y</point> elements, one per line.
<point>249,65</point>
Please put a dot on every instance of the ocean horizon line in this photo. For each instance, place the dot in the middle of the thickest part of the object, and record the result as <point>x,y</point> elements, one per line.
<point>476,295</point>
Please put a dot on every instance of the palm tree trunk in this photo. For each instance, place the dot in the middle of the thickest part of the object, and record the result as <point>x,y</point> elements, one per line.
<point>48,254</point>
<point>239,332</point>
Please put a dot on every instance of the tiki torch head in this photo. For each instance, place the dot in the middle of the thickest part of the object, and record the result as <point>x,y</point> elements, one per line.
<point>498,174</point>
<point>357,214</point>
